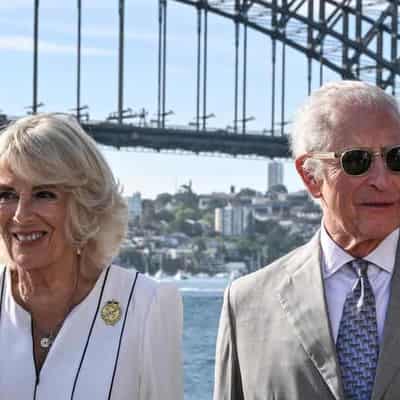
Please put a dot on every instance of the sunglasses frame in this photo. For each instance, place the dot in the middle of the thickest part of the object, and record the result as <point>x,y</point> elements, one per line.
<point>333,155</point>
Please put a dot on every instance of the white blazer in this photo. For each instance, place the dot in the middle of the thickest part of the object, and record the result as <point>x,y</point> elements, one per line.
<point>138,358</point>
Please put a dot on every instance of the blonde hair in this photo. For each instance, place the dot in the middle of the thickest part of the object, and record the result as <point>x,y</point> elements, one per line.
<point>54,149</point>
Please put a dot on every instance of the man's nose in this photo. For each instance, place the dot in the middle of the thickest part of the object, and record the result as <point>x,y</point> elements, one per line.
<point>379,175</point>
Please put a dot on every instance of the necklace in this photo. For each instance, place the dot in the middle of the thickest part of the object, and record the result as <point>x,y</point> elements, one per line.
<point>47,338</point>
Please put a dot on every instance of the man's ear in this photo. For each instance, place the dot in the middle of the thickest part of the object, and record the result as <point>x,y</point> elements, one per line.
<point>312,184</point>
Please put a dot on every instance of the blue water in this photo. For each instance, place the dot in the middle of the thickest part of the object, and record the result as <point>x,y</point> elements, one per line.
<point>202,300</point>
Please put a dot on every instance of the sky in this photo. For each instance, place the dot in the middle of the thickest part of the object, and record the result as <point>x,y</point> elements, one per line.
<point>147,172</point>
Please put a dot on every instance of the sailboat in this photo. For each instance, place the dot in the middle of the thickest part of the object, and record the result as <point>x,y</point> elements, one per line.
<point>181,275</point>
<point>160,274</point>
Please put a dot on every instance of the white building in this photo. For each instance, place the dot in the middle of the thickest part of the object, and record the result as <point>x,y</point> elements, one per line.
<point>218,220</point>
<point>275,173</point>
<point>135,206</point>
<point>232,220</point>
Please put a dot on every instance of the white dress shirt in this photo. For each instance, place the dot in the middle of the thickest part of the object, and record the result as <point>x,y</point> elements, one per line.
<point>90,359</point>
<point>339,279</point>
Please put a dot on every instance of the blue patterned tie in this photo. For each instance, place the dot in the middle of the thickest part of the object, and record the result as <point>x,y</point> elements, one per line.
<point>357,343</point>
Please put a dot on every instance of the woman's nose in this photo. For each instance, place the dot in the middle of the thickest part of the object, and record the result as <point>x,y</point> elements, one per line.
<point>23,212</point>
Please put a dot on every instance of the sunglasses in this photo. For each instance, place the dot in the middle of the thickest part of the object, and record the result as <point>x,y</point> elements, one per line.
<point>357,161</point>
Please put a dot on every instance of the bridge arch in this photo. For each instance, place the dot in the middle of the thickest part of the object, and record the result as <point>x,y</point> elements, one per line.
<point>306,26</point>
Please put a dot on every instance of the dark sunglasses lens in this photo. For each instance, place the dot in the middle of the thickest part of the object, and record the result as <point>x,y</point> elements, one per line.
<point>393,159</point>
<point>356,162</point>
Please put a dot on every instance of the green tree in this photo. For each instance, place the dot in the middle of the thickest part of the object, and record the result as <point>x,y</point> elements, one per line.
<point>186,221</point>
<point>247,192</point>
<point>276,239</point>
<point>183,213</point>
<point>186,197</point>
<point>162,200</point>
<point>246,247</point>
<point>148,213</point>
<point>165,215</point>
<point>216,203</point>
<point>208,218</point>
<point>199,244</point>
<point>130,257</point>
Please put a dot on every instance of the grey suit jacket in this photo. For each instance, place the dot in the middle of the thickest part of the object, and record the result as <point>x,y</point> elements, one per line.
<point>275,342</point>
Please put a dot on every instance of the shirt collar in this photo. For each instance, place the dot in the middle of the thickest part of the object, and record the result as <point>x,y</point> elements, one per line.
<point>335,257</point>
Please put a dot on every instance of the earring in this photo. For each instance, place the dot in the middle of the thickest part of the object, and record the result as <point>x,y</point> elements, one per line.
<point>78,251</point>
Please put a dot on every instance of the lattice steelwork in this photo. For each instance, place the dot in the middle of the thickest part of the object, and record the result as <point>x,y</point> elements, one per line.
<point>356,39</point>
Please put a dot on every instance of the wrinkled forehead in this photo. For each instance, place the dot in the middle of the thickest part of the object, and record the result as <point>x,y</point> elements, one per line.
<point>366,126</point>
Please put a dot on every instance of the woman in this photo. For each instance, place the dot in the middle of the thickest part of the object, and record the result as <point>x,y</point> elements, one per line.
<point>72,326</point>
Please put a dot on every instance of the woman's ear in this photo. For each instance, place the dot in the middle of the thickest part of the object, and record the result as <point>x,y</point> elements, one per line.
<point>312,184</point>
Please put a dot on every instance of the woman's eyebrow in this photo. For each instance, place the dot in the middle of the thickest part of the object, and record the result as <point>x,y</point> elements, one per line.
<point>38,187</point>
<point>42,187</point>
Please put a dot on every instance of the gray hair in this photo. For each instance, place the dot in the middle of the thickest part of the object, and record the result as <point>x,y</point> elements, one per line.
<point>316,120</point>
<point>54,149</point>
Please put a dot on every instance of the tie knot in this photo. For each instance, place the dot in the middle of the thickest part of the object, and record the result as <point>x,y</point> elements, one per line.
<point>360,266</point>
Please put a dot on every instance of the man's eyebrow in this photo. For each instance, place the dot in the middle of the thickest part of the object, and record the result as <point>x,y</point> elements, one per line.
<point>6,187</point>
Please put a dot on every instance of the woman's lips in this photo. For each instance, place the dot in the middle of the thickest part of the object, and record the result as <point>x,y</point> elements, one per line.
<point>28,237</point>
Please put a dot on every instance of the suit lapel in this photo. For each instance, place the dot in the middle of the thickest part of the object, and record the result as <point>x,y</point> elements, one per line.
<point>303,300</point>
<point>389,358</point>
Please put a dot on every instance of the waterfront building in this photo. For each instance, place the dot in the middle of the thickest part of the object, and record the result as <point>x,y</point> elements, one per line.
<point>227,220</point>
<point>232,220</point>
<point>218,220</point>
<point>275,174</point>
<point>135,206</point>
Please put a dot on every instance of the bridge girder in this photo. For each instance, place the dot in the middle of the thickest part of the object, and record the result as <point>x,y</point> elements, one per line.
<point>341,35</point>
<point>217,141</point>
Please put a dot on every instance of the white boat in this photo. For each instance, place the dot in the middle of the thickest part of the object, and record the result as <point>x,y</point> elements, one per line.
<point>235,274</point>
<point>160,275</point>
<point>181,275</point>
<point>202,275</point>
<point>222,275</point>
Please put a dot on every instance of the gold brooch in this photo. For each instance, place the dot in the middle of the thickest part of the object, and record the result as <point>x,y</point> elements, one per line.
<point>111,312</point>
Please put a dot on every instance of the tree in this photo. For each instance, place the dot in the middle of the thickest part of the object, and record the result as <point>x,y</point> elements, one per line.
<point>246,247</point>
<point>148,213</point>
<point>165,215</point>
<point>130,257</point>
<point>162,200</point>
<point>186,197</point>
<point>199,244</point>
<point>183,213</point>
<point>267,227</point>
<point>276,239</point>
<point>247,192</point>
<point>186,221</point>
<point>216,203</point>
<point>208,218</point>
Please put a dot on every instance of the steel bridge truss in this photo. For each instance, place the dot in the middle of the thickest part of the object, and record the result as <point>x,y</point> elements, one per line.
<point>358,39</point>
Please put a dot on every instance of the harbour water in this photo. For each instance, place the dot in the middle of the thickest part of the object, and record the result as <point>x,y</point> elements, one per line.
<point>202,300</point>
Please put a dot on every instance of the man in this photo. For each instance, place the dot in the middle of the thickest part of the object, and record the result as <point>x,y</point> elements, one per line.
<point>323,322</point>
